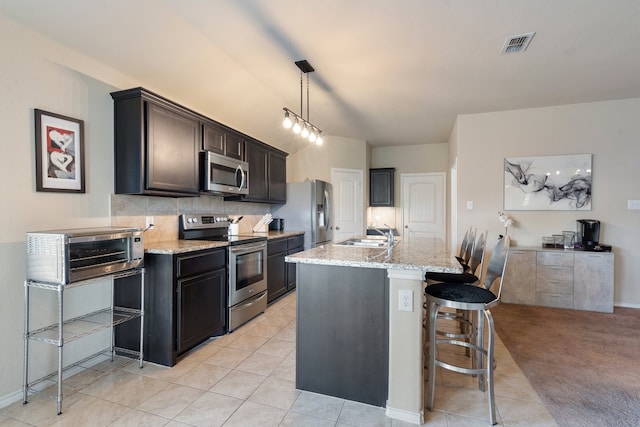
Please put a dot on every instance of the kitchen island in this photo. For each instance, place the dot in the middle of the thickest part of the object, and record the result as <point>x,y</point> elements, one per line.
<point>353,341</point>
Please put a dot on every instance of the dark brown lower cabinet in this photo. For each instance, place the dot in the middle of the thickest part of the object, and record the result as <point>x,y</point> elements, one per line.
<point>281,276</point>
<point>185,304</point>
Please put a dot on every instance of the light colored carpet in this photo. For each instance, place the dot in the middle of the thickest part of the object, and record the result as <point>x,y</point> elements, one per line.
<point>584,365</point>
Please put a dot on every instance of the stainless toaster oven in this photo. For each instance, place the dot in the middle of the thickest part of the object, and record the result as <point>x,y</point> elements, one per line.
<point>67,256</point>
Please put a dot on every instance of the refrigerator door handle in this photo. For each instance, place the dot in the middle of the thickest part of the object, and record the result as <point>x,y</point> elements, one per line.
<point>327,204</point>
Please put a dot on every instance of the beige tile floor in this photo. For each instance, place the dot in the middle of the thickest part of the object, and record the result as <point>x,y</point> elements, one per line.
<point>247,378</point>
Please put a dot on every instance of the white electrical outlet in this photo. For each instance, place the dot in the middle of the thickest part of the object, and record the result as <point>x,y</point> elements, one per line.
<point>633,204</point>
<point>149,223</point>
<point>405,300</point>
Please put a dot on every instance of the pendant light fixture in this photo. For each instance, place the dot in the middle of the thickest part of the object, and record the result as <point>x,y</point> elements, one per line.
<point>297,123</point>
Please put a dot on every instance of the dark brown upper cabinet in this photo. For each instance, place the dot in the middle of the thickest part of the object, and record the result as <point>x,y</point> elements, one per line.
<point>222,140</point>
<point>156,145</point>
<point>381,187</point>
<point>267,174</point>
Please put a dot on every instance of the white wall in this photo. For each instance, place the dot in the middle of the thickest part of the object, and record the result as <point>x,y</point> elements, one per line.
<point>34,76</point>
<point>423,158</point>
<point>315,162</point>
<point>609,130</point>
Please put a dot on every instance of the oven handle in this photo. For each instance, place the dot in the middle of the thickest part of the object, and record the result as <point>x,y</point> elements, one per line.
<point>247,248</point>
<point>252,300</point>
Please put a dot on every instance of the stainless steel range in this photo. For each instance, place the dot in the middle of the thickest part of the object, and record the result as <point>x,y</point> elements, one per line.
<point>247,255</point>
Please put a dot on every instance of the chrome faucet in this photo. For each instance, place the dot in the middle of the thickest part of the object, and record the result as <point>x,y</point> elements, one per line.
<point>388,235</point>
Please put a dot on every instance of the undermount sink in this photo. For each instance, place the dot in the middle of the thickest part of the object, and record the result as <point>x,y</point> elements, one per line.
<point>367,243</point>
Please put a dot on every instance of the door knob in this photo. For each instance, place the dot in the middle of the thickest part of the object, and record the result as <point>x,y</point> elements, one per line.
<point>406,226</point>
<point>337,228</point>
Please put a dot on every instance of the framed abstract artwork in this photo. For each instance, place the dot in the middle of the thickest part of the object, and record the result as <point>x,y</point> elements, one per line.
<point>548,183</point>
<point>59,153</point>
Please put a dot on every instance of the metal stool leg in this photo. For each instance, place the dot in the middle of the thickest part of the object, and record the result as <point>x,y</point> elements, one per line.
<point>432,348</point>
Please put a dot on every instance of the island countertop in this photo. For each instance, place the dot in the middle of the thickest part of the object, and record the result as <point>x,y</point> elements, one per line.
<point>424,254</point>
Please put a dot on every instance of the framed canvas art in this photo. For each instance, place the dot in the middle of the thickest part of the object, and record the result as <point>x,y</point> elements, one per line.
<point>548,183</point>
<point>59,153</point>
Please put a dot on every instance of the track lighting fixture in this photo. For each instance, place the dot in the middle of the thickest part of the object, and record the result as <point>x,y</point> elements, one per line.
<point>297,123</point>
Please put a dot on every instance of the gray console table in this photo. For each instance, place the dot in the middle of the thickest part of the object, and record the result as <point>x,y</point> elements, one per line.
<point>559,278</point>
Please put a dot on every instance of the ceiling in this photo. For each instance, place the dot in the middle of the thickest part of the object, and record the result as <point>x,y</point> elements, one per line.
<point>391,72</point>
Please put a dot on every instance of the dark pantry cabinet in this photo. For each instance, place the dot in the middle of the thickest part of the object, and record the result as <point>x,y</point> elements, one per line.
<point>156,145</point>
<point>185,303</point>
<point>381,187</point>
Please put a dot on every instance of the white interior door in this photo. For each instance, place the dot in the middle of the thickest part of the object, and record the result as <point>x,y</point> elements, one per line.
<point>348,203</point>
<point>423,205</point>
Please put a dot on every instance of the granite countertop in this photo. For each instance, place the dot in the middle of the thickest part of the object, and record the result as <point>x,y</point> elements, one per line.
<point>426,255</point>
<point>182,246</point>
<point>272,234</point>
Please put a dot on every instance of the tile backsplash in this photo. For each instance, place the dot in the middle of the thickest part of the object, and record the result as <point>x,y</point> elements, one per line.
<point>132,211</point>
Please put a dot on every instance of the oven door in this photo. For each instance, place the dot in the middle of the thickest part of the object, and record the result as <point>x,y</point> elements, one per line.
<point>247,271</point>
<point>224,175</point>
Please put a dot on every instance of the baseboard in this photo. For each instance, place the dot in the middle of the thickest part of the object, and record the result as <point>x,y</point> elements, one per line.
<point>406,416</point>
<point>16,396</point>
<point>10,398</point>
<point>626,305</point>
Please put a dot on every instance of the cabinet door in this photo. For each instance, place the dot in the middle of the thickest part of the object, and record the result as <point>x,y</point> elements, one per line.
<point>276,268</point>
<point>593,282</point>
<point>381,187</point>
<point>201,308</point>
<point>291,266</point>
<point>213,138</point>
<point>257,157</point>
<point>519,283</point>
<point>277,177</point>
<point>173,141</point>
<point>276,276</point>
<point>234,146</point>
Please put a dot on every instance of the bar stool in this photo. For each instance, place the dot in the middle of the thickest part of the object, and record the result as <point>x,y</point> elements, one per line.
<point>475,264</point>
<point>471,276</point>
<point>477,300</point>
<point>466,247</point>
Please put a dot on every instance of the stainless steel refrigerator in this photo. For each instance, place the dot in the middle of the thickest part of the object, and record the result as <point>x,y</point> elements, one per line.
<point>308,209</point>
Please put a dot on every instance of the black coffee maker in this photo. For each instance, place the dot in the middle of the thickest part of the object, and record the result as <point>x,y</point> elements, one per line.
<point>588,236</point>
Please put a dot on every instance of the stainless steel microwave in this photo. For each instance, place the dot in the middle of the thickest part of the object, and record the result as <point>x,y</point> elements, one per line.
<point>67,256</point>
<point>224,175</point>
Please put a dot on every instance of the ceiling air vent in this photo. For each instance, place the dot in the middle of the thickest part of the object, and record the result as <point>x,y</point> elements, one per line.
<point>517,43</point>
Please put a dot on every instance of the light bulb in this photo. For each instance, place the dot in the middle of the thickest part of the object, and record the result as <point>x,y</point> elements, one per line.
<point>287,123</point>
<point>313,136</point>
<point>305,131</point>
<point>319,139</point>
<point>296,127</point>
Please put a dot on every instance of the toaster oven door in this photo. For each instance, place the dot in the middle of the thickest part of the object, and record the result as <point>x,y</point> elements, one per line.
<point>94,256</point>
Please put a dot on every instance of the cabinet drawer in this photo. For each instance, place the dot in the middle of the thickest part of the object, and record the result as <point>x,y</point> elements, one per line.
<point>554,300</point>
<point>295,241</point>
<point>276,246</point>
<point>554,286</point>
<point>199,263</point>
<point>554,273</point>
<point>555,258</point>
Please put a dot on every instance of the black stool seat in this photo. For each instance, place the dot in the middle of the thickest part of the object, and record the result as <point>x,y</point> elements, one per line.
<point>451,277</point>
<point>461,293</point>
